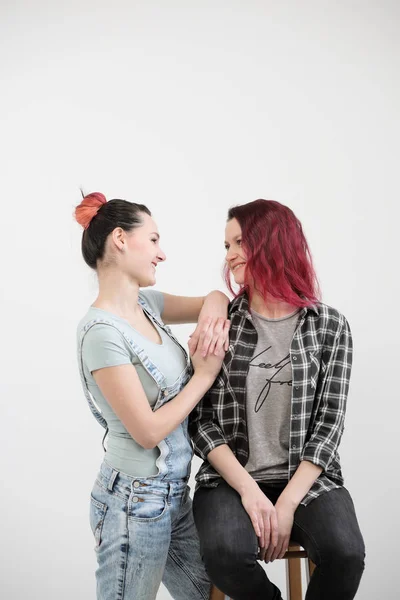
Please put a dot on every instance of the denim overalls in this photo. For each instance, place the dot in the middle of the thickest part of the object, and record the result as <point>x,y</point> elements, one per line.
<point>143,527</point>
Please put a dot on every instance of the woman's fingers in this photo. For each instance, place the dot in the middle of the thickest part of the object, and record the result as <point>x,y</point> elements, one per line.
<point>192,343</point>
<point>285,547</point>
<point>256,526</point>
<point>206,333</point>
<point>217,329</point>
<point>267,529</point>
<point>222,343</point>
<point>262,515</point>
<point>227,326</point>
<point>214,334</point>
<point>261,553</point>
<point>264,519</point>
<point>195,337</point>
<point>217,337</point>
<point>270,551</point>
<point>274,529</point>
<point>276,551</point>
<point>273,537</point>
<point>201,341</point>
<point>198,339</point>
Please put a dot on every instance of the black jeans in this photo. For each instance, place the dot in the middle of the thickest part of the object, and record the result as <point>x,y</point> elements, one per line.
<point>327,528</point>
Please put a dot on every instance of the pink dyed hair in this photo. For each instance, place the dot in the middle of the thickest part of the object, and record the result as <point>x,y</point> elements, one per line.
<point>278,259</point>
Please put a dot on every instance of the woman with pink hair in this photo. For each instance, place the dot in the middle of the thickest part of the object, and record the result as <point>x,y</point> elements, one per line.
<point>269,427</point>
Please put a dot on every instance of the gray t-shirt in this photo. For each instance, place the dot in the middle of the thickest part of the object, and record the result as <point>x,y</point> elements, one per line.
<point>105,346</point>
<point>268,398</point>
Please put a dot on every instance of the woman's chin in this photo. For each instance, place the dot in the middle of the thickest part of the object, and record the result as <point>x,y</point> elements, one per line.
<point>147,281</point>
<point>238,280</point>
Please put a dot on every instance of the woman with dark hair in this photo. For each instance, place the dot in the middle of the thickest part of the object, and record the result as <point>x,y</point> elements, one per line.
<point>139,385</point>
<point>270,426</point>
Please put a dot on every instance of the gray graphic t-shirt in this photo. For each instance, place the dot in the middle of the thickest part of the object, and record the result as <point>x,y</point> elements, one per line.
<point>268,398</point>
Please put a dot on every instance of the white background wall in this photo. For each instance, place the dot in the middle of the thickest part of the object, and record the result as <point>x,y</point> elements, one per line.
<point>188,107</point>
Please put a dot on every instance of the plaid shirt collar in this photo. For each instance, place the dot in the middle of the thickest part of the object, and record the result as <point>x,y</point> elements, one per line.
<point>240,305</point>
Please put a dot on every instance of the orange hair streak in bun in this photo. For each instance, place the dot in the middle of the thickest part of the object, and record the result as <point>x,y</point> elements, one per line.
<point>88,208</point>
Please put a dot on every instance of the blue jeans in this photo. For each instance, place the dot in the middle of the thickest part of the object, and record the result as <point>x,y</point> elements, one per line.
<point>144,535</point>
<point>327,528</point>
<point>143,527</point>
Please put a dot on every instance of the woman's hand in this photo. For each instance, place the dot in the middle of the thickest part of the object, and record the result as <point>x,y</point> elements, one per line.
<point>263,518</point>
<point>207,366</point>
<point>285,515</point>
<point>214,333</point>
<point>212,323</point>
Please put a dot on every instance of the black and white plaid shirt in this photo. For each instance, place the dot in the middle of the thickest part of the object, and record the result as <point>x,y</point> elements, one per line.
<point>321,357</point>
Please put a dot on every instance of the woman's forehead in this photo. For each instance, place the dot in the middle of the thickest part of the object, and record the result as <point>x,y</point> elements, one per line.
<point>232,229</point>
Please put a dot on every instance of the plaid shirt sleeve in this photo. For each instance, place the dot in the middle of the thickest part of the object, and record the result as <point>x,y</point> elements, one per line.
<point>328,426</point>
<point>204,431</point>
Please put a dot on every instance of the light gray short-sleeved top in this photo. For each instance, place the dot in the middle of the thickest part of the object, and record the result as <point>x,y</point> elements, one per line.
<point>105,346</point>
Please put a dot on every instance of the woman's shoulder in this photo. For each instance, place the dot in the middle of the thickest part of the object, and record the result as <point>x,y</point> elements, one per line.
<point>153,299</point>
<point>330,317</point>
<point>101,341</point>
<point>98,324</point>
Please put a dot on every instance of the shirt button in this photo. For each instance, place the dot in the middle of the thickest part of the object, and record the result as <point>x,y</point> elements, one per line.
<point>293,446</point>
<point>294,358</point>
<point>297,387</point>
<point>136,484</point>
<point>135,499</point>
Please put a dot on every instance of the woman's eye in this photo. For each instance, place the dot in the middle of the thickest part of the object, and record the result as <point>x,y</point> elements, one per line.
<point>239,242</point>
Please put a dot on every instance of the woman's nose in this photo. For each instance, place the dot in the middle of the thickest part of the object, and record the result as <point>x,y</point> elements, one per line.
<point>230,255</point>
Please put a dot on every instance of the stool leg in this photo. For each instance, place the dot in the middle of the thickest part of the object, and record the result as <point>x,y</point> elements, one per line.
<point>216,594</point>
<point>310,569</point>
<point>293,578</point>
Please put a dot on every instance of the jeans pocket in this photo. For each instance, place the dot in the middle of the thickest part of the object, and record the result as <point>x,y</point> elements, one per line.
<point>147,506</point>
<point>97,514</point>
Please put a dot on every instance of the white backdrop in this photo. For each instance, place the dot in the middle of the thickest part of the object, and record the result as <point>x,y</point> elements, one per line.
<point>188,107</point>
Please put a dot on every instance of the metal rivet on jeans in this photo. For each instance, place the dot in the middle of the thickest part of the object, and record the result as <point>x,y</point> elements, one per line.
<point>135,499</point>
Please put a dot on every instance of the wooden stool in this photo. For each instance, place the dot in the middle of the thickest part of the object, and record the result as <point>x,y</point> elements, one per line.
<point>293,574</point>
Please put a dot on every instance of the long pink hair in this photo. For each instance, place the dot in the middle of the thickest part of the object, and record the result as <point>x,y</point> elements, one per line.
<point>278,260</point>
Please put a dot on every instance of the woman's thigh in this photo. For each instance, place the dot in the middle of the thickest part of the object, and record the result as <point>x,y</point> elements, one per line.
<point>185,576</point>
<point>229,545</point>
<point>328,528</point>
<point>224,527</point>
<point>132,538</point>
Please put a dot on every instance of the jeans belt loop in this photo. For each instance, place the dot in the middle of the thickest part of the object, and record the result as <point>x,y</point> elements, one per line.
<point>169,497</point>
<point>112,480</point>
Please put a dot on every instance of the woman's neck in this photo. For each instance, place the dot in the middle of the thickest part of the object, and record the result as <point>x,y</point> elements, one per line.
<point>118,294</point>
<point>271,308</point>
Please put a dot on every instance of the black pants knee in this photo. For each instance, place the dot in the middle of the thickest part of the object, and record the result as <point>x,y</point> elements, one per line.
<point>327,528</point>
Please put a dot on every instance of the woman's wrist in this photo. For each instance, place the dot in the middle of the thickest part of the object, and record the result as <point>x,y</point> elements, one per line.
<point>203,380</point>
<point>246,485</point>
<point>286,501</point>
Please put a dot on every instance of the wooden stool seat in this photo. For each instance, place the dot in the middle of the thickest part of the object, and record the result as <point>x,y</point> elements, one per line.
<point>293,573</point>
